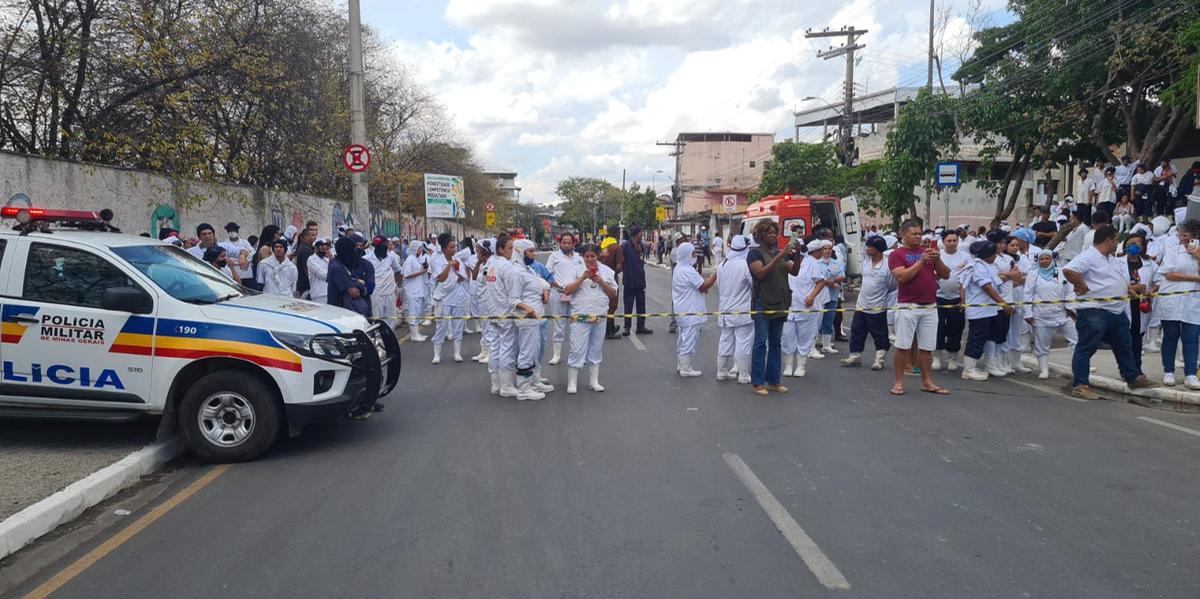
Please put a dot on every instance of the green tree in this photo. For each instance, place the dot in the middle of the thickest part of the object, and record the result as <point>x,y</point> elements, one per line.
<point>924,134</point>
<point>813,169</point>
<point>589,203</point>
<point>639,207</point>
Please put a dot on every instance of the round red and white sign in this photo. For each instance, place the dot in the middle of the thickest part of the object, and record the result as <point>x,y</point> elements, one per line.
<point>490,207</point>
<point>356,158</point>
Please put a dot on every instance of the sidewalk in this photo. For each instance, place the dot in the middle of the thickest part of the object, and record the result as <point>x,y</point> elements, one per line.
<point>53,471</point>
<point>1107,378</point>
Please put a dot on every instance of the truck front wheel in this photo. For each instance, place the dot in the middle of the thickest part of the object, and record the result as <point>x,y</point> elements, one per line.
<point>228,417</point>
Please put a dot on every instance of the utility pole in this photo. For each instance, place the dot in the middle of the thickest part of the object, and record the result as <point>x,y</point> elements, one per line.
<point>621,227</point>
<point>846,127</point>
<point>359,201</point>
<point>677,188</point>
<point>929,89</point>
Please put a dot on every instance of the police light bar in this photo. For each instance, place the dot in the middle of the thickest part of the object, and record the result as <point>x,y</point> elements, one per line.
<point>25,215</point>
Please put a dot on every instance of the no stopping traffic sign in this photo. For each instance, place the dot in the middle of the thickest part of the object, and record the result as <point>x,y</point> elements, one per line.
<point>356,158</point>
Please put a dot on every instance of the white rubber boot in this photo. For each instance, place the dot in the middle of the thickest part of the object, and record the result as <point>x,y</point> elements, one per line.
<point>827,345</point>
<point>787,364</point>
<point>852,360</point>
<point>1043,367</point>
<point>437,353</point>
<point>526,392</point>
<point>508,387</point>
<point>879,356</point>
<point>801,367</point>
<point>572,381</point>
<point>951,362</point>
<point>557,354</point>
<point>743,372</point>
<point>594,378</point>
<point>1151,345</point>
<point>723,364</point>
<point>937,359</point>
<point>495,383</point>
<point>971,371</point>
<point>1014,362</point>
<point>685,368</point>
<point>486,355</point>
<point>993,365</point>
<point>540,384</point>
<point>458,351</point>
<point>815,354</point>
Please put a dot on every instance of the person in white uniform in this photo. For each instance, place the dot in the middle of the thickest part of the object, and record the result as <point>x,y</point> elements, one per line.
<point>1178,305</point>
<point>987,309</point>
<point>318,271</point>
<point>277,274</point>
<point>240,254</point>
<point>1048,285</point>
<point>527,297</point>
<point>735,284</point>
<point>810,291</point>
<point>416,293</point>
<point>386,265</point>
<point>870,311</point>
<point>483,253</point>
<point>502,357</point>
<point>591,285</point>
<point>450,276</point>
<point>687,294</point>
<point>562,263</point>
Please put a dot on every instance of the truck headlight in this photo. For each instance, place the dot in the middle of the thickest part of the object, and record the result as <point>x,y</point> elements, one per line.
<point>334,348</point>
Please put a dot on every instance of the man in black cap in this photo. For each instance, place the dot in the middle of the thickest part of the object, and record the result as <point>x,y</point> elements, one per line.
<point>304,250</point>
<point>631,265</point>
<point>1187,184</point>
<point>240,254</point>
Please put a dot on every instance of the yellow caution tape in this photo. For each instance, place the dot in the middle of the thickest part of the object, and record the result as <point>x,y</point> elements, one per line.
<point>584,317</point>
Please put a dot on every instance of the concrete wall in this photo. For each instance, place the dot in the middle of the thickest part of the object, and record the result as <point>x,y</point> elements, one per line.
<point>143,201</point>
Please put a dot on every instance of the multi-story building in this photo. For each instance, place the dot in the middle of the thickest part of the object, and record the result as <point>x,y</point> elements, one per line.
<point>712,166</point>
<point>506,181</point>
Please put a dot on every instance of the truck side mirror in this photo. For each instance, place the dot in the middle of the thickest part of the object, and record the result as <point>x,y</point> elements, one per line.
<point>127,299</point>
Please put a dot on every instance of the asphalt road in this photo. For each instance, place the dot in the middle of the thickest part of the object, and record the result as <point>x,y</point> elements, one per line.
<point>663,487</point>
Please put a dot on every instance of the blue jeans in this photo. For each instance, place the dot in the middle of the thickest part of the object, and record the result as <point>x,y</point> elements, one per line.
<point>1175,331</point>
<point>766,361</point>
<point>1096,326</point>
<point>827,317</point>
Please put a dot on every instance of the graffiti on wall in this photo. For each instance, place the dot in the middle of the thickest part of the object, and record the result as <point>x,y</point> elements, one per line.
<point>163,216</point>
<point>383,224</point>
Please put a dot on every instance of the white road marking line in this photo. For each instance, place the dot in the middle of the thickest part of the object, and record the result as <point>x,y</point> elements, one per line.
<point>816,560</point>
<point>637,342</point>
<point>1176,427</point>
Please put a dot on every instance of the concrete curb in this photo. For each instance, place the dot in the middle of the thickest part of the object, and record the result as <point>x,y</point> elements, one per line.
<point>1169,394</point>
<point>27,525</point>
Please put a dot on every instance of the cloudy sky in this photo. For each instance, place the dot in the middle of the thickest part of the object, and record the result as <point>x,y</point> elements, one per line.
<point>556,88</point>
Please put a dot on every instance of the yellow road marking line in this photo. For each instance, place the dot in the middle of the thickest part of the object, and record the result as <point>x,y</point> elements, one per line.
<point>107,547</point>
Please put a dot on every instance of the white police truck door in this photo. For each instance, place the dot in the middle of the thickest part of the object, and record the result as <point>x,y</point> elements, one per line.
<point>60,346</point>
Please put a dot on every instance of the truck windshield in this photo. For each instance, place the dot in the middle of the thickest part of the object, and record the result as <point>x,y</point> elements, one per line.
<point>180,274</point>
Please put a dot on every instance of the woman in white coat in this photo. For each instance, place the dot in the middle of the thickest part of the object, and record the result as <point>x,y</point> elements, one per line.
<point>591,286</point>
<point>450,277</point>
<point>687,293</point>
<point>809,292</point>
<point>735,284</point>
<point>416,292</point>
<point>1179,307</point>
<point>479,308</point>
<point>528,295</point>
<point>1046,284</point>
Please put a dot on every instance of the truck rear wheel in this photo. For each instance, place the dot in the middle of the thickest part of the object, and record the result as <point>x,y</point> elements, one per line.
<point>228,417</point>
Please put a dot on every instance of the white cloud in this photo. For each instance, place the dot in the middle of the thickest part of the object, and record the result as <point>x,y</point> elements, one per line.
<point>558,88</point>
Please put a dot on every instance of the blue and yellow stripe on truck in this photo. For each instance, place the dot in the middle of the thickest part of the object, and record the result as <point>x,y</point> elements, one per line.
<point>188,339</point>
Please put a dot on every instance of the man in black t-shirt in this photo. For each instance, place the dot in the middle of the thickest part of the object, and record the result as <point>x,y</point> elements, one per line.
<point>1043,227</point>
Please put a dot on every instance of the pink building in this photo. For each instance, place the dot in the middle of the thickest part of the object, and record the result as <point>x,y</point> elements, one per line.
<point>713,165</point>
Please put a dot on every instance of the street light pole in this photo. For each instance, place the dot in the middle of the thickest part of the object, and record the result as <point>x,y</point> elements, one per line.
<point>359,200</point>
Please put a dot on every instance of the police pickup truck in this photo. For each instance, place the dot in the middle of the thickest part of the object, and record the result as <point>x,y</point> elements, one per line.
<point>103,326</point>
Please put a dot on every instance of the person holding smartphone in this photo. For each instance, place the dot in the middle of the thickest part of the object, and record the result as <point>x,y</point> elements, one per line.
<point>592,286</point>
<point>916,268</point>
